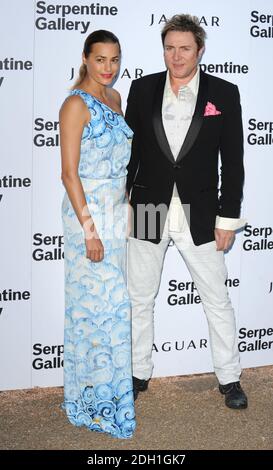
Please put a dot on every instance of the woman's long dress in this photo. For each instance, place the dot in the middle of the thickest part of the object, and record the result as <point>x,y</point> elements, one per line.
<point>97,343</point>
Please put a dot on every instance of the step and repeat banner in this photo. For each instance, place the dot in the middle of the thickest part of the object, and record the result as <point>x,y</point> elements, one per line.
<point>40,53</point>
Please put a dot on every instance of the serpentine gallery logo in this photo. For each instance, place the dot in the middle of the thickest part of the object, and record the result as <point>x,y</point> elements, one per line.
<point>47,356</point>
<point>62,17</point>
<point>261,132</point>
<point>12,182</point>
<point>255,340</point>
<point>185,293</point>
<point>257,238</point>
<point>10,295</point>
<point>261,25</point>
<point>14,65</point>
<point>225,68</point>
<point>46,133</point>
<point>47,247</point>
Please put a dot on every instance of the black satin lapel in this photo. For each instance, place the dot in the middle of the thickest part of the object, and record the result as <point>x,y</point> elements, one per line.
<point>197,118</point>
<point>157,119</point>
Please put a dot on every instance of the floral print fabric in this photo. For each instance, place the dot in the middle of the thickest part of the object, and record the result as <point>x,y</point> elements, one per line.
<point>97,354</point>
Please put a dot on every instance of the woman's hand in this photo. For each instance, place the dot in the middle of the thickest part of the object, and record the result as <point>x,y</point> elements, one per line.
<point>94,247</point>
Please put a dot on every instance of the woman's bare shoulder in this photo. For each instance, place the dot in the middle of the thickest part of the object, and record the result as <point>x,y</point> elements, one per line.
<point>115,96</point>
<point>72,103</point>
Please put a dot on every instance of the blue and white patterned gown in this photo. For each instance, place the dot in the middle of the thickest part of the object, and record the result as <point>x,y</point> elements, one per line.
<point>97,352</point>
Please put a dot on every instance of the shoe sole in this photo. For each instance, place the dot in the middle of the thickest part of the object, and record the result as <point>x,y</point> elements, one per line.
<point>240,407</point>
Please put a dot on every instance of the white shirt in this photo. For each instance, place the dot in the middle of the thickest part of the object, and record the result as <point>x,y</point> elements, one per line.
<point>177,112</point>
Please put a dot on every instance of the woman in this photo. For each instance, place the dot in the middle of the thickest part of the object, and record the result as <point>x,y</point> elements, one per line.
<point>95,149</point>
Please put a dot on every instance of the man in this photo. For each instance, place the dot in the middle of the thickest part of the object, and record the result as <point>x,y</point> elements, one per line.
<point>182,119</point>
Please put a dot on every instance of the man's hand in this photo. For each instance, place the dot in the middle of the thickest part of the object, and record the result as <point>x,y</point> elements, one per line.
<point>224,238</point>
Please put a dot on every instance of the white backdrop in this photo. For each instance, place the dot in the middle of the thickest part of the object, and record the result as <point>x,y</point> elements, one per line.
<point>40,48</point>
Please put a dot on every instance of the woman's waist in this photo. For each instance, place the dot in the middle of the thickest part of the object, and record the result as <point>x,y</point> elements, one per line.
<point>97,182</point>
<point>104,189</point>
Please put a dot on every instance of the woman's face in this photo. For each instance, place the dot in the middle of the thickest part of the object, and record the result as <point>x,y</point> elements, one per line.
<point>103,62</point>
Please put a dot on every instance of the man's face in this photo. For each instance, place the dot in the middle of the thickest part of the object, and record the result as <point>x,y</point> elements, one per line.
<point>181,55</point>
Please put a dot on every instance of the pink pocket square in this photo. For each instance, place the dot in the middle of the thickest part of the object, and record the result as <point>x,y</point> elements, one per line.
<point>211,110</point>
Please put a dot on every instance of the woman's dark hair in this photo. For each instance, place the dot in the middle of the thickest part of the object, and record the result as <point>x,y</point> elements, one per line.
<point>101,35</point>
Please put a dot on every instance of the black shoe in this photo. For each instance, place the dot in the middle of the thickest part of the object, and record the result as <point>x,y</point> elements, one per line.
<point>139,385</point>
<point>235,397</point>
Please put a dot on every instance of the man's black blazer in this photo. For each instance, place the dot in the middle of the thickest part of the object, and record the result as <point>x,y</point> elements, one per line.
<point>209,187</point>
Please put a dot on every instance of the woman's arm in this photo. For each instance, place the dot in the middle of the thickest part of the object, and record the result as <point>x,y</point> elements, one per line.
<point>74,115</point>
